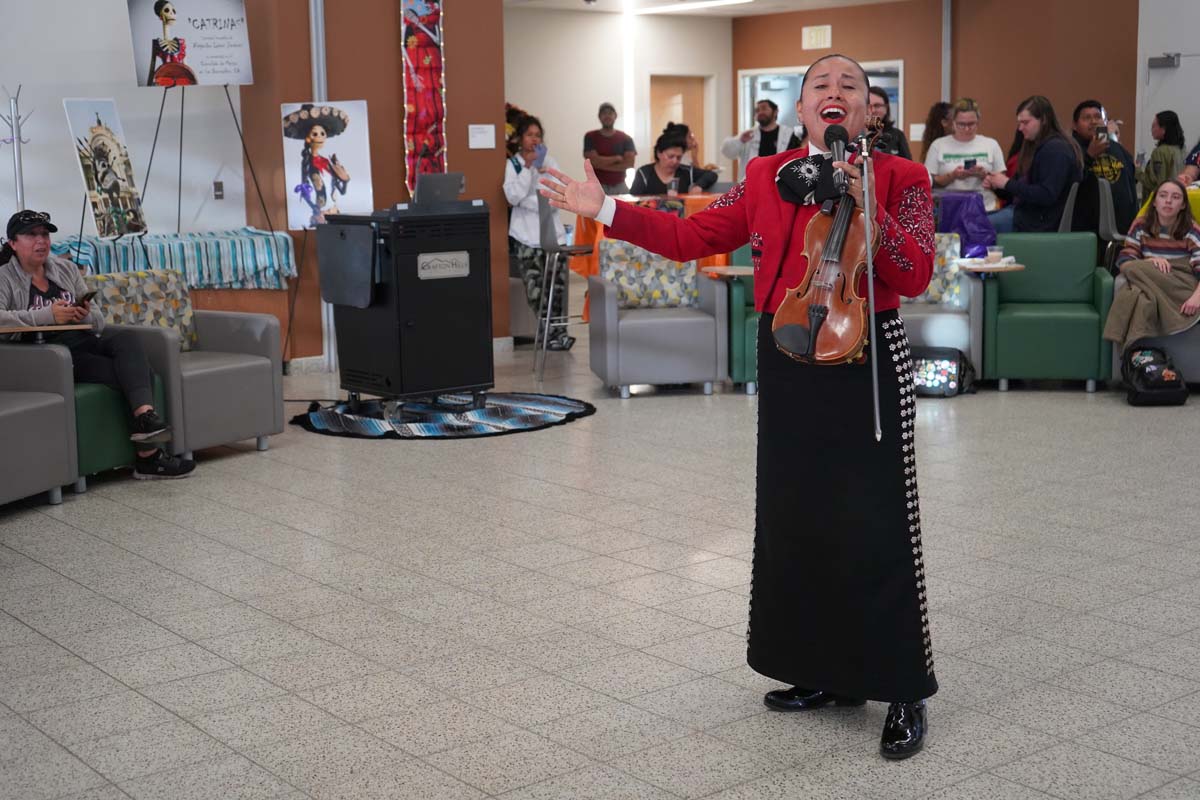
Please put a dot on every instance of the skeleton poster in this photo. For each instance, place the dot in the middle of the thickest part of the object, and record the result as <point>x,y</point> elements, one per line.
<point>104,162</point>
<point>424,90</point>
<point>326,161</point>
<point>190,42</point>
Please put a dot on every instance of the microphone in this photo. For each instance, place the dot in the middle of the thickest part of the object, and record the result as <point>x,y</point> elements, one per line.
<point>836,139</point>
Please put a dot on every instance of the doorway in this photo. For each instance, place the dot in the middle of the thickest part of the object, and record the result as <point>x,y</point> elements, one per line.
<point>677,98</point>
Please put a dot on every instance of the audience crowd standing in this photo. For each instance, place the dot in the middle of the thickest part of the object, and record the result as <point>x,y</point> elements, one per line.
<point>1024,189</point>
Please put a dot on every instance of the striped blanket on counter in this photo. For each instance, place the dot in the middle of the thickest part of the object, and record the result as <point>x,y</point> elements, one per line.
<point>246,258</point>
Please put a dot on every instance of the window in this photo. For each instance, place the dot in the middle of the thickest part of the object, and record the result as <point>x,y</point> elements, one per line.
<point>782,85</point>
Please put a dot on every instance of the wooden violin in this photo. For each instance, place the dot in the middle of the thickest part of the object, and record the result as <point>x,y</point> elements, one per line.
<point>825,320</point>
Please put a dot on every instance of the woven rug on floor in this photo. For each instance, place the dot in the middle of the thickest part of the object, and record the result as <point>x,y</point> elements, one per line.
<point>451,418</point>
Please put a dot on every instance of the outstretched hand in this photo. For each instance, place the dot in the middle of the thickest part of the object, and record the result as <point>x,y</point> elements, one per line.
<point>579,197</point>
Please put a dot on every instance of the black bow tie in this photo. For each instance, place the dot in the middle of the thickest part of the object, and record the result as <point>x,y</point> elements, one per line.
<point>808,180</point>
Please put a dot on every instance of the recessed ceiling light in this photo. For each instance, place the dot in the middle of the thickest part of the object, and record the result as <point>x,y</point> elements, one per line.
<point>693,6</point>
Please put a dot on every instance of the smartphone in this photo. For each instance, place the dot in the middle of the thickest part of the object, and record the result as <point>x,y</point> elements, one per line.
<point>87,298</point>
<point>969,163</point>
<point>1101,133</point>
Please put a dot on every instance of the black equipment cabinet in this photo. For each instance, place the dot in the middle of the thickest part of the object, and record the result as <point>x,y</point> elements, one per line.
<point>412,298</point>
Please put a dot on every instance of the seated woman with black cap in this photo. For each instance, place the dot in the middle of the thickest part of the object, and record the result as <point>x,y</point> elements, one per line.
<point>37,288</point>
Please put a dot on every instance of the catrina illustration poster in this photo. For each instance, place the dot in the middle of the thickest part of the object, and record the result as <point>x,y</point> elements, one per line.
<point>190,42</point>
<point>327,161</point>
<point>424,89</point>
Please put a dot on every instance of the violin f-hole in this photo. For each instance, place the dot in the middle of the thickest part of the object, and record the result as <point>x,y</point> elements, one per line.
<point>847,295</point>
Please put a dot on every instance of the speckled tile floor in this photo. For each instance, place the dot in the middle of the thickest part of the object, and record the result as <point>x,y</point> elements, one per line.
<point>561,614</point>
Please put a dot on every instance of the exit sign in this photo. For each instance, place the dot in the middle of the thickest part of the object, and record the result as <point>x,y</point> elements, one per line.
<point>816,37</point>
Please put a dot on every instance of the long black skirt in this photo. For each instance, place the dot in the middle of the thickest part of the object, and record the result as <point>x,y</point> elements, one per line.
<point>838,601</point>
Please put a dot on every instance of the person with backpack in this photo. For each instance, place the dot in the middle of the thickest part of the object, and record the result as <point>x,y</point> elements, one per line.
<point>1161,266</point>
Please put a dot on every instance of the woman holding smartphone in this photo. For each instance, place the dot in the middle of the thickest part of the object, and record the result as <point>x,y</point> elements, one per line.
<point>37,288</point>
<point>959,162</point>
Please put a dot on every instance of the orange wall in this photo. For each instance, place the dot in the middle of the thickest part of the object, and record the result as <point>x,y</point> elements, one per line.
<point>1077,50</point>
<point>474,54</point>
<point>364,62</point>
<point>1003,51</point>
<point>910,31</point>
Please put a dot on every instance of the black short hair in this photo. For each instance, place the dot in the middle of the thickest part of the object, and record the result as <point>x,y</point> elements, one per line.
<point>808,71</point>
<point>1086,104</point>
<point>669,139</point>
<point>679,129</point>
<point>1172,128</point>
<point>771,103</point>
<point>527,122</point>
<point>159,5</point>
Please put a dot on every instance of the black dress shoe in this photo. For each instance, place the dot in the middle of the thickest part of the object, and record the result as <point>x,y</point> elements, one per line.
<point>904,730</point>
<point>800,699</point>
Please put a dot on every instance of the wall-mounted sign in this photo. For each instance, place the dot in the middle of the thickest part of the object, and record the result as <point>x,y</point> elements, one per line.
<point>481,137</point>
<point>816,37</point>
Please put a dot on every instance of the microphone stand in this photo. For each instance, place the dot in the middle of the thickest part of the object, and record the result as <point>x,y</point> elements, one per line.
<point>864,149</point>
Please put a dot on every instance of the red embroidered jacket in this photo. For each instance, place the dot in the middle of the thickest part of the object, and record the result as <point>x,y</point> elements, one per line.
<point>753,211</point>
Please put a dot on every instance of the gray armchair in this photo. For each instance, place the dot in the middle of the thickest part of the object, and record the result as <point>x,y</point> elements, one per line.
<point>943,324</point>
<point>1184,348</point>
<point>37,421</point>
<point>658,345</point>
<point>228,387</point>
<point>931,325</point>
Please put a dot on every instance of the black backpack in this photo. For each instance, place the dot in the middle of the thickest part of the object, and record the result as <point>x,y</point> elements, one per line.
<point>942,372</point>
<point>1151,378</point>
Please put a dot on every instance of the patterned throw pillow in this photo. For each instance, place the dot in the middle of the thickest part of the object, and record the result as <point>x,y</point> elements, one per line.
<point>946,287</point>
<point>671,205</point>
<point>156,297</point>
<point>646,280</point>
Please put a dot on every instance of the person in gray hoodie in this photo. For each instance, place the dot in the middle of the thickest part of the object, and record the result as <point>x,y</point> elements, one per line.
<point>37,289</point>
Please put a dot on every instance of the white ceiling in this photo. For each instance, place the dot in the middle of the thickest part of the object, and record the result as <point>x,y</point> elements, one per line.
<point>741,10</point>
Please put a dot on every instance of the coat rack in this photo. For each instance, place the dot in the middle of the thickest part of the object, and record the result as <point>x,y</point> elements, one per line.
<point>15,121</point>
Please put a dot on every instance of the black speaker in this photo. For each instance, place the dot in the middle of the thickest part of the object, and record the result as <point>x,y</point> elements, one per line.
<point>411,291</point>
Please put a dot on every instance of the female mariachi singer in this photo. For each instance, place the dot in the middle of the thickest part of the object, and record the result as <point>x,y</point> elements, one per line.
<point>838,606</point>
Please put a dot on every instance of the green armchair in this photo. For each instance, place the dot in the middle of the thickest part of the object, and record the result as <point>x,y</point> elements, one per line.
<point>743,334</point>
<point>102,423</point>
<point>100,416</point>
<point>1046,321</point>
<point>743,326</point>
